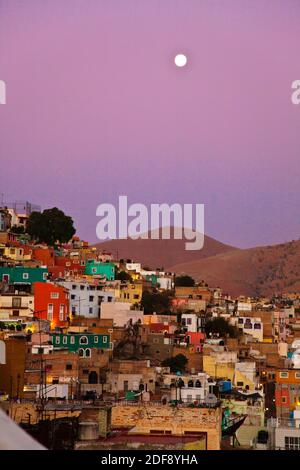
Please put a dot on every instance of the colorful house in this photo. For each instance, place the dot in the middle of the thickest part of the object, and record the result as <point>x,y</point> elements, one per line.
<point>81,343</point>
<point>51,303</point>
<point>23,275</point>
<point>97,268</point>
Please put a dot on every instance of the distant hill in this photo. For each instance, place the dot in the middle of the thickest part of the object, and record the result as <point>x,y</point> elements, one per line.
<point>161,253</point>
<point>256,271</point>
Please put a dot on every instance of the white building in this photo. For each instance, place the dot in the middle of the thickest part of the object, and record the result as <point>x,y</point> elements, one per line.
<point>191,322</point>
<point>86,298</point>
<point>17,305</point>
<point>252,326</point>
<point>120,313</point>
<point>284,434</point>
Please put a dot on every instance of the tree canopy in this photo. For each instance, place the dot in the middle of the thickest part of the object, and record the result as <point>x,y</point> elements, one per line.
<point>158,302</point>
<point>222,327</point>
<point>184,281</point>
<point>122,276</point>
<point>177,363</point>
<point>50,226</point>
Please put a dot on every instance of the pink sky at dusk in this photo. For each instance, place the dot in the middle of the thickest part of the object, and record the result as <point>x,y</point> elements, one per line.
<point>96,108</point>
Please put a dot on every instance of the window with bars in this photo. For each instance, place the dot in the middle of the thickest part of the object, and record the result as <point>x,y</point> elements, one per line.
<point>292,443</point>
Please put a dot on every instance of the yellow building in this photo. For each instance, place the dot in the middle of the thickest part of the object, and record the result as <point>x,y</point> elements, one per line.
<point>224,365</point>
<point>131,292</point>
<point>14,253</point>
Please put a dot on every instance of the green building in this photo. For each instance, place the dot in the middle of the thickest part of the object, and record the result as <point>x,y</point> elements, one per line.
<point>80,343</point>
<point>23,275</point>
<point>97,268</point>
<point>152,278</point>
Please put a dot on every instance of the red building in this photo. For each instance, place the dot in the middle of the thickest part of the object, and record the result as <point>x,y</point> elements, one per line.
<point>69,266</point>
<point>196,339</point>
<point>51,302</point>
<point>45,255</point>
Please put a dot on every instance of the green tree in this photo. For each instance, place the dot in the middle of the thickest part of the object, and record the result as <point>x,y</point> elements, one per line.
<point>159,302</point>
<point>184,281</point>
<point>177,363</point>
<point>222,327</point>
<point>50,226</point>
<point>17,229</point>
<point>122,276</point>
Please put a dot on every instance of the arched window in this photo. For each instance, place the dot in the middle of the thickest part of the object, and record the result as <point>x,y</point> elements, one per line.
<point>198,384</point>
<point>87,352</point>
<point>83,340</point>
<point>190,383</point>
<point>81,352</point>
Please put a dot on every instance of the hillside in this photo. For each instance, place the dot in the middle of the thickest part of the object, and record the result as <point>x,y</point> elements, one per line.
<point>255,271</point>
<point>161,253</point>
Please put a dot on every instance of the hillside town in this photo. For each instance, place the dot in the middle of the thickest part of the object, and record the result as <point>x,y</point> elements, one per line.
<point>98,352</point>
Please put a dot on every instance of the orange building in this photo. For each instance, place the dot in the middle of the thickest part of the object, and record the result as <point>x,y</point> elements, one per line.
<point>51,303</point>
<point>287,391</point>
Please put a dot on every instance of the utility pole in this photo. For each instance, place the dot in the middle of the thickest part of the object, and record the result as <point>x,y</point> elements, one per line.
<point>42,376</point>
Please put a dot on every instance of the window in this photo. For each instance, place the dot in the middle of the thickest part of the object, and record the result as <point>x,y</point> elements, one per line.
<point>240,384</point>
<point>96,339</point>
<point>292,443</point>
<point>25,276</point>
<point>81,287</point>
<point>50,312</point>
<point>104,339</point>
<point>284,375</point>
<point>74,287</point>
<point>45,276</point>
<point>91,298</point>
<point>68,366</point>
<point>73,297</point>
<point>57,340</point>
<point>81,352</point>
<point>297,375</point>
<point>16,302</point>
<point>240,321</point>
<point>61,312</point>
<point>136,296</point>
<point>90,310</point>
<point>94,270</point>
<point>65,340</point>
<point>72,340</point>
<point>283,399</point>
<point>257,326</point>
<point>83,340</point>
<point>87,352</point>
<point>54,295</point>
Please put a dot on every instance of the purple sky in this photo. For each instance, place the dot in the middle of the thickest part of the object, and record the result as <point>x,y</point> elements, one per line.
<point>96,108</point>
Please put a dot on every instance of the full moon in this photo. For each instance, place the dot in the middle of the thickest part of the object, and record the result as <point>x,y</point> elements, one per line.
<point>180,60</point>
